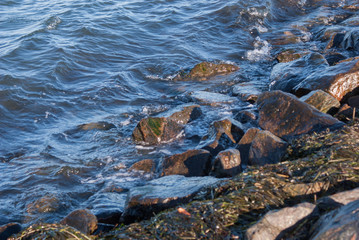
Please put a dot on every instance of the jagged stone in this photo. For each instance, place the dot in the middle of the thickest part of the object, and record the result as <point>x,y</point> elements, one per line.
<point>82,219</point>
<point>286,116</point>
<point>146,165</point>
<point>227,163</point>
<point>245,144</point>
<point>321,100</point>
<point>96,125</point>
<point>190,163</point>
<point>246,91</point>
<point>290,55</point>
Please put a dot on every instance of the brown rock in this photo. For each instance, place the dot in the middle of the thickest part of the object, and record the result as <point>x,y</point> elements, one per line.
<point>286,116</point>
<point>154,130</point>
<point>227,163</point>
<point>186,114</point>
<point>205,70</point>
<point>45,204</point>
<point>146,165</point>
<point>83,220</point>
<point>290,55</point>
<point>245,144</point>
<point>96,125</point>
<point>221,135</point>
<point>266,148</point>
<point>246,91</point>
<point>276,222</point>
<point>321,100</point>
<point>302,189</point>
<point>337,80</point>
<point>189,163</point>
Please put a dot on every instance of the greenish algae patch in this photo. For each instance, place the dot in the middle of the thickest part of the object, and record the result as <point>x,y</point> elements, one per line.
<point>156,125</point>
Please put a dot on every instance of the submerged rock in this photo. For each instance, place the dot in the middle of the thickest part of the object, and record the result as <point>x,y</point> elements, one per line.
<point>322,101</point>
<point>96,125</point>
<point>154,130</point>
<point>190,163</point>
<point>266,148</point>
<point>246,91</point>
<point>227,163</point>
<point>342,223</point>
<point>162,193</point>
<point>211,98</point>
<point>274,223</point>
<point>221,135</point>
<point>205,70</point>
<point>81,219</point>
<point>146,165</point>
<point>286,116</point>
<point>290,55</point>
<point>9,229</point>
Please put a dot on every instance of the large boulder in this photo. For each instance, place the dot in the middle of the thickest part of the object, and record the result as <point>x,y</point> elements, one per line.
<point>206,70</point>
<point>190,163</point>
<point>154,130</point>
<point>245,144</point>
<point>285,76</point>
<point>185,113</point>
<point>221,135</point>
<point>338,199</point>
<point>159,194</point>
<point>286,116</point>
<point>266,148</point>
<point>342,223</point>
<point>322,101</point>
<point>276,222</point>
<point>227,163</point>
<point>82,219</point>
<point>337,80</point>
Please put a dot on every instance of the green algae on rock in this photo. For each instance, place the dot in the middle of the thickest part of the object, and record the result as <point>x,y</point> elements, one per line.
<point>205,70</point>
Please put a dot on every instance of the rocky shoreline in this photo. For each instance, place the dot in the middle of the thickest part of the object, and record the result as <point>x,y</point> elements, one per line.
<point>288,170</point>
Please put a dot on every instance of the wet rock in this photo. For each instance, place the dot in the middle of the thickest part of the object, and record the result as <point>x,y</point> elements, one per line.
<point>342,223</point>
<point>335,40</point>
<point>334,58</point>
<point>246,91</point>
<point>109,217</point>
<point>285,76</point>
<point>290,55</point>
<point>221,135</point>
<point>46,204</point>
<point>163,193</point>
<point>184,114</point>
<point>146,165</point>
<point>354,102</point>
<point>206,70</point>
<point>82,219</point>
<point>227,163</point>
<point>245,144</point>
<point>286,116</point>
<point>346,113</point>
<point>154,130</point>
<point>337,80</point>
<point>190,163</point>
<point>276,222</point>
<point>97,125</point>
<point>266,148</point>
<point>285,38</point>
<point>351,40</point>
<point>9,229</point>
<point>210,98</point>
<point>322,101</point>
<point>248,118</point>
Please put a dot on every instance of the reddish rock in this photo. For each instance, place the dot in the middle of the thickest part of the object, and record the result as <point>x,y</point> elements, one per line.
<point>146,165</point>
<point>245,144</point>
<point>189,163</point>
<point>205,70</point>
<point>221,135</point>
<point>227,163</point>
<point>286,116</point>
<point>321,100</point>
<point>83,220</point>
<point>154,130</point>
<point>266,149</point>
<point>337,80</point>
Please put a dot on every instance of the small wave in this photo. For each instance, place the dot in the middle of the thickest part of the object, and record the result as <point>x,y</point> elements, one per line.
<point>260,52</point>
<point>52,23</point>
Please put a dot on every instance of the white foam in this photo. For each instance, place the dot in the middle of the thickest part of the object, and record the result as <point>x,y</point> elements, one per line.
<point>260,52</point>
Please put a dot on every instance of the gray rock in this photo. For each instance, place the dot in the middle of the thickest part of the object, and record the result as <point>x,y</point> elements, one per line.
<point>272,225</point>
<point>227,163</point>
<point>266,148</point>
<point>342,223</point>
<point>159,194</point>
<point>246,91</point>
<point>338,199</point>
<point>321,100</point>
<point>82,219</point>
